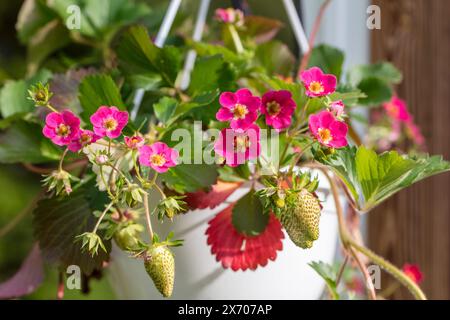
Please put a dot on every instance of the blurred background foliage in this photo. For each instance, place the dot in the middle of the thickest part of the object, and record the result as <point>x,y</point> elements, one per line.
<point>20,187</point>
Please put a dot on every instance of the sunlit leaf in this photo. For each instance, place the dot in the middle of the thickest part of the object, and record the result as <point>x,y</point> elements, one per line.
<point>372,177</point>
<point>248,215</point>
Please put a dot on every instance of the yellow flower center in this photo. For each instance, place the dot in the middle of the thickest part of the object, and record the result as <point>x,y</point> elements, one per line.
<point>325,135</point>
<point>239,111</point>
<point>110,124</point>
<point>241,144</point>
<point>392,109</point>
<point>273,108</point>
<point>63,130</point>
<point>157,160</point>
<point>85,138</point>
<point>316,87</point>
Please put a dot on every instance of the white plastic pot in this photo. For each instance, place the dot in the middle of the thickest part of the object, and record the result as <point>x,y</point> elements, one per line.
<point>200,276</point>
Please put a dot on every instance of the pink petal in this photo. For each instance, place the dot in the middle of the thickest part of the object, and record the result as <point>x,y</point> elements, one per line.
<point>325,118</point>
<point>224,114</point>
<point>314,123</point>
<point>241,93</point>
<point>48,132</point>
<point>252,103</point>
<point>338,143</point>
<point>338,129</point>
<point>53,119</point>
<point>227,99</point>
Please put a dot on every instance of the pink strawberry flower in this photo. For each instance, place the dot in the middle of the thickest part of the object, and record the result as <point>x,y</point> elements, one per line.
<point>278,108</point>
<point>318,84</point>
<point>109,121</point>
<point>240,108</point>
<point>397,110</point>
<point>327,130</point>
<point>414,133</point>
<point>229,15</point>
<point>413,272</point>
<point>237,147</point>
<point>337,108</point>
<point>158,156</point>
<point>84,138</point>
<point>61,127</point>
<point>134,142</point>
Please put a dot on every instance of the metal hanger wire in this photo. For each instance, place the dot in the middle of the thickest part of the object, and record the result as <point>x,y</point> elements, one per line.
<point>169,17</point>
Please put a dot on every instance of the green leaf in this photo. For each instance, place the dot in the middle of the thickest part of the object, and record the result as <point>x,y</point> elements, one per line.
<point>14,94</point>
<point>377,91</point>
<point>57,221</point>
<point>24,142</point>
<point>204,100</point>
<point>383,71</point>
<point>328,274</point>
<point>248,215</point>
<point>165,108</point>
<point>349,95</point>
<point>190,177</point>
<point>138,55</point>
<point>98,90</point>
<point>101,19</point>
<point>328,58</point>
<point>50,38</point>
<point>275,57</point>
<point>206,49</point>
<point>33,15</point>
<point>372,178</point>
<point>261,29</point>
<point>211,73</point>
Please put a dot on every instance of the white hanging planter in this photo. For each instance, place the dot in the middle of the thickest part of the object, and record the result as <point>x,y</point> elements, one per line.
<point>200,276</point>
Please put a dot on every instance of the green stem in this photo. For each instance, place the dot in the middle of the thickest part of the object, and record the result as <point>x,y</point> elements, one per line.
<point>102,216</point>
<point>51,108</point>
<point>62,159</point>
<point>352,245</point>
<point>390,268</point>
<point>102,176</point>
<point>341,270</point>
<point>136,167</point>
<point>236,39</point>
<point>147,218</point>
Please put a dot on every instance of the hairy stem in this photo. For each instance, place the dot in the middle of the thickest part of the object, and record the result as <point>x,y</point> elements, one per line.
<point>147,218</point>
<point>390,268</point>
<point>60,167</point>
<point>236,39</point>
<point>351,245</point>
<point>102,216</point>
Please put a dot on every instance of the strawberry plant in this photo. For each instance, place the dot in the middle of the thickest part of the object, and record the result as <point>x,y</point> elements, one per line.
<point>250,114</point>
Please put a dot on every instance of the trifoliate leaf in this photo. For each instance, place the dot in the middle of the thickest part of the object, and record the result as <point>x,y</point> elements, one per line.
<point>372,177</point>
<point>58,221</point>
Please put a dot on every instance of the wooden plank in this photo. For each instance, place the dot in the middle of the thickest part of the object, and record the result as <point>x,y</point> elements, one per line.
<point>414,225</point>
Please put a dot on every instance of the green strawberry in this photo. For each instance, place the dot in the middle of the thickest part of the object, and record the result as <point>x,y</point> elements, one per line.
<point>127,236</point>
<point>301,219</point>
<point>160,266</point>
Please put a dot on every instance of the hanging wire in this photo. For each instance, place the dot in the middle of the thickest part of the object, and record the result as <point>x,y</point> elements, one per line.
<point>159,42</point>
<point>296,26</point>
<point>197,36</point>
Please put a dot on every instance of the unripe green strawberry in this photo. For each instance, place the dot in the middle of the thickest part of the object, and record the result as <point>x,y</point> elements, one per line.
<point>127,237</point>
<point>160,266</point>
<point>301,219</point>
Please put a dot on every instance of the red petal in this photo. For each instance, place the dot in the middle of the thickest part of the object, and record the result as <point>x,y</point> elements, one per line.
<point>227,243</point>
<point>218,194</point>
